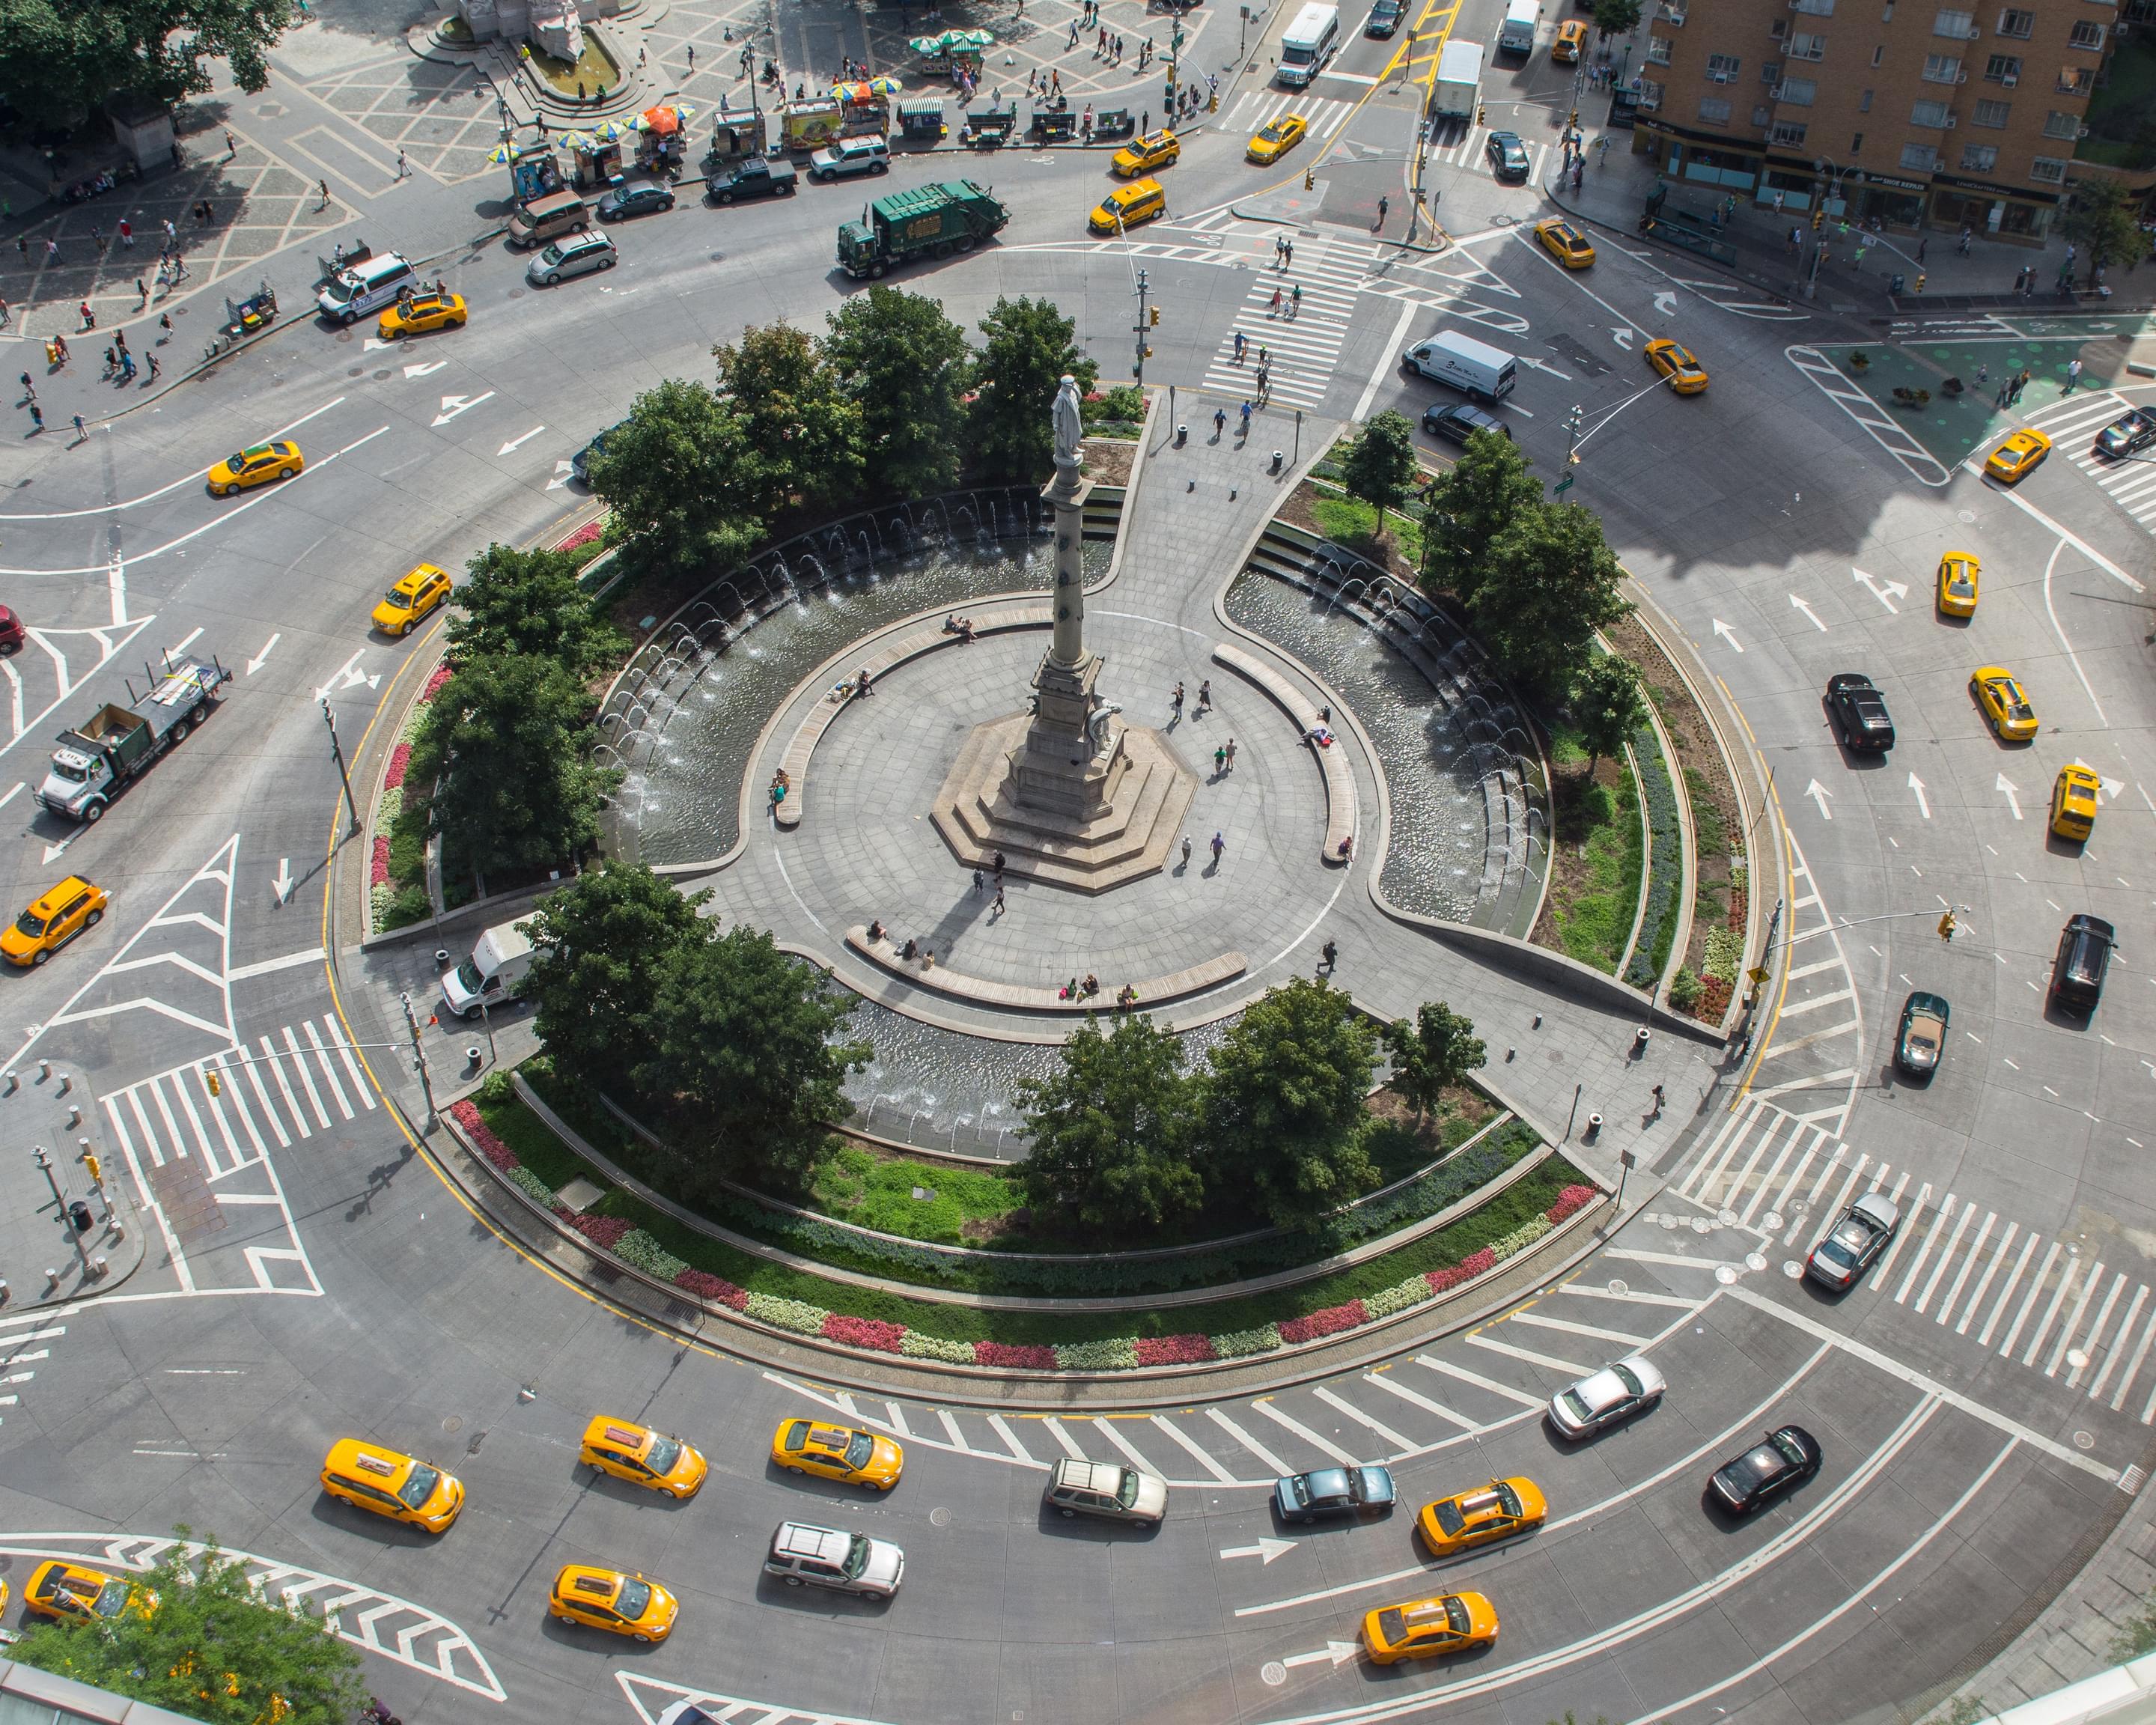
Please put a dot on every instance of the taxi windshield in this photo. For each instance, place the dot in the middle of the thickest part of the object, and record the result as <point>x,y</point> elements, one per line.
<point>635,1596</point>
<point>416,1491</point>
<point>665,1453</point>
<point>112,1599</point>
<point>236,462</point>
<point>398,599</point>
<point>858,1448</point>
<point>30,923</point>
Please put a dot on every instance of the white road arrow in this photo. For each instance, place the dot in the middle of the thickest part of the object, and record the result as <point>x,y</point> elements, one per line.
<point>1819,793</point>
<point>53,850</point>
<point>2113,788</point>
<point>262,657</point>
<point>1623,338</point>
<point>1666,303</point>
<point>1265,1549</point>
<point>1885,592</point>
<point>1800,605</point>
<point>427,370</point>
<point>1334,1652</point>
<point>2013,792</point>
<point>564,471</point>
<point>453,405</point>
<point>354,677</point>
<point>518,441</point>
<point>345,676</point>
<point>1923,802</point>
<point>1727,635</point>
<point>1544,365</point>
<point>282,883</point>
<point>375,344</point>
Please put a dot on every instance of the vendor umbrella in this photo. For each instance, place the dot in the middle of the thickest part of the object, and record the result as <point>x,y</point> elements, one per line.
<point>663,120</point>
<point>507,151</point>
<point>968,38</point>
<point>926,45</point>
<point>607,130</point>
<point>574,140</point>
<point>886,86</point>
<point>853,92</point>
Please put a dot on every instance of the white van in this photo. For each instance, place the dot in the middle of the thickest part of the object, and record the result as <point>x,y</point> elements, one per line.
<point>1516,34</point>
<point>350,294</point>
<point>489,978</point>
<point>1475,368</point>
<point>1310,41</point>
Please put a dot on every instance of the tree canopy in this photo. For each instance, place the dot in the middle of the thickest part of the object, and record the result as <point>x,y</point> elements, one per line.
<point>1380,467</point>
<point>60,59</point>
<point>683,477</point>
<point>1616,17</point>
<point>1028,348</point>
<point>210,1649</point>
<point>1112,1130</point>
<point>1433,1055</point>
<point>1469,504</point>
<point>1547,583</point>
<point>2102,219</point>
<point>1607,706</point>
<point>528,601</point>
<point>805,427</point>
<point>906,365</point>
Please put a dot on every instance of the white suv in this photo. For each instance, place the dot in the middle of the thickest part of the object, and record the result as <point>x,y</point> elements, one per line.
<point>1105,1488</point>
<point>850,156</point>
<point>802,1556</point>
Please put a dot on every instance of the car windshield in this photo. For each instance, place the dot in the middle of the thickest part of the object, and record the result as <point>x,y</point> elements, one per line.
<point>665,1453</point>
<point>858,1448</point>
<point>1298,1488</point>
<point>398,599</point>
<point>1791,1449</point>
<point>69,771</point>
<point>1508,1500</point>
<point>468,979</point>
<point>1630,1378</point>
<point>1126,1491</point>
<point>1449,1516</point>
<point>112,1599</point>
<point>30,923</point>
<point>552,255</point>
<point>1456,1615</point>
<point>635,1596</point>
<point>236,462</point>
<point>416,1491</point>
<point>857,1556</point>
<point>1292,55</point>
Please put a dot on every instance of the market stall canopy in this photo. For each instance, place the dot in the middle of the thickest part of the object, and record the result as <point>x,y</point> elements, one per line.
<point>664,119</point>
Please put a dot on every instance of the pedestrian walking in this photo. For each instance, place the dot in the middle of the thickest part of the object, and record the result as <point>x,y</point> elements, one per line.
<point>154,369</point>
<point>1796,240</point>
<point>1231,754</point>
<point>172,234</point>
<point>126,367</point>
<point>126,233</point>
<point>1186,850</point>
<point>231,145</point>
<point>1265,383</point>
<point>1274,309</point>
<point>1383,205</point>
<point>1219,844</point>
<point>2005,392</point>
<point>1205,695</point>
<point>4,313</point>
<point>996,905</point>
<point>1241,340</point>
<point>141,292</point>
<point>1219,424</point>
<point>1175,701</point>
<point>1332,952</point>
<point>1920,245</point>
<point>37,418</point>
<point>1294,302</point>
<point>22,246</point>
<point>52,252</point>
<point>692,56</point>
<point>1220,761</point>
<point>29,389</point>
<point>996,866</point>
<point>980,881</point>
<point>404,167</point>
<point>1246,418</point>
<point>1780,197</point>
<point>97,237</point>
<point>325,187</point>
<point>1658,1102</point>
<point>165,323</point>
<point>1967,233</point>
<point>2073,376</point>
<point>1287,253</point>
<point>89,316</point>
<point>120,340</point>
<point>81,430</point>
<point>1073,35</point>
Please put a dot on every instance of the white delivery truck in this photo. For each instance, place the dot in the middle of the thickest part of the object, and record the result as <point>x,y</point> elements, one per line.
<point>489,978</point>
<point>1516,34</point>
<point>1310,42</point>
<point>1458,93</point>
<point>1475,368</point>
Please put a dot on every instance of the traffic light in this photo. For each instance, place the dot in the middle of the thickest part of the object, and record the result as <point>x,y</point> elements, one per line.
<point>1947,926</point>
<point>96,1169</point>
<point>1152,315</point>
<point>216,1084</point>
<point>1818,220</point>
<point>1309,178</point>
<point>1482,113</point>
<point>1920,281</point>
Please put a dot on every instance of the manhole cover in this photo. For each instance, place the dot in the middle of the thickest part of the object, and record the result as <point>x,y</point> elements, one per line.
<point>1727,1218</point>
<point>1619,1286</point>
<point>1792,1268</point>
<point>357,370</point>
<point>1772,1221</point>
<point>1965,516</point>
<point>1724,1275</point>
<point>1274,1672</point>
<point>453,1423</point>
<point>1755,1261</point>
<point>939,1517</point>
<point>1699,1225</point>
<point>2084,1441</point>
<point>382,376</point>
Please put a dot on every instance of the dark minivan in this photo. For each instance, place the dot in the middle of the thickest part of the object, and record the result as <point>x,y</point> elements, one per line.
<point>2085,946</point>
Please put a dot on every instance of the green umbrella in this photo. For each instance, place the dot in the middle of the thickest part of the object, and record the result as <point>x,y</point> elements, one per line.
<point>926,45</point>
<point>968,38</point>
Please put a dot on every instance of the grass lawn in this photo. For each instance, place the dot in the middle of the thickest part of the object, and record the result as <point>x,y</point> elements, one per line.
<point>1351,522</point>
<point>871,1191</point>
<point>1598,857</point>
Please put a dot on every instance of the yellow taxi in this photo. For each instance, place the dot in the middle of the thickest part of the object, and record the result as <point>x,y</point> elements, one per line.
<point>837,1452</point>
<point>400,1488</point>
<point>1959,572</point>
<point>1566,243</point>
<point>1491,1512</point>
<point>1277,138</point>
<point>69,1593</point>
<point>1686,375</point>
<point>2016,459</point>
<point>1141,156</point>
<point>52,920</point>
<point>2073,803</point>
<point>644,1457</point>
<point>2006,709</point>
<point>256,466</point>
<point>1426,1628</point>
<point>411,599</point>
<point>614,1601</point>
<point>1126,206</point>
<point>1569,42</point>
<point>422,313</point>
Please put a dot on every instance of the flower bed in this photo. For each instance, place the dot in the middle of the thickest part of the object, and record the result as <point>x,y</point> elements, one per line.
<point>397,878</point>
<point>646,1240</point>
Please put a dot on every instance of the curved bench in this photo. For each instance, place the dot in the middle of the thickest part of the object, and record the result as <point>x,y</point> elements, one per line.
<point>1018,998</point>
<point>1332,763</point>
<point>886,657</point>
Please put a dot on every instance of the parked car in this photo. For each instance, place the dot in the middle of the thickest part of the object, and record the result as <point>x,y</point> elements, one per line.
<point>849,156</point>
<point>1859,712</point>
<point>1106,1489</point>
<point>636,197</point>
<point>1334,1492</point>
<point>583,254</point>
<point>1785,1459</point>
<point>1921,1041</point>
<point>2084,955</point>
<point>1602,1398</point>
<point>1849,1248</point>
<point>1461,421</point>
<point>757,177</point>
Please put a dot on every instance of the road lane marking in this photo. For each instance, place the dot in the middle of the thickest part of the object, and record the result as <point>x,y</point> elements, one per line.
<point>1492,1384</point>
<point>264,967</point>
<point>1194,1449</point>
<point>1289,1422</point>
<point>1566,1325</point>
<point>1384,1381</point>
<point>1563,1367</point>
<point>1340,1403</point>
<point>1057,1431</point>
<point>1129,1451</point>
<point>1278,1467</point>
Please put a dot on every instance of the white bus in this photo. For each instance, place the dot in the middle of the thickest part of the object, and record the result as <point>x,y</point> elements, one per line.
<point>1310,41</point>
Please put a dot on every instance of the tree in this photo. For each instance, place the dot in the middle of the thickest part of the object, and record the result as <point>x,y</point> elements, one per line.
<point>683,477</point>
<point>61,59</point>
<point>1380,467</point>
<point>522,793</point>
<point>519,601</point>
<point>805,427</point>
<point>1281,1111</point>
<point>1616,17</point>
<point>1111,1130</point>
<point>905,365</point>
<point>1607,706</point>
<point>600,945</point>
<point>1548,581</point>
<point>1029,347</point>
<point>1433,1055</point>
<point>213,1649</point>
<point>1470,503</point>
<point>2101,218</point>
<point>743,1042</point>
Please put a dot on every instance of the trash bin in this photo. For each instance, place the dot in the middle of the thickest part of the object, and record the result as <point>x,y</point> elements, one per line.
<point>1895,285</point>
<point>79,1214</point>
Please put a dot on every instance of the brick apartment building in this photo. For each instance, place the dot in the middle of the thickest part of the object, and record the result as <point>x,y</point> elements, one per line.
<point>1915,112</point>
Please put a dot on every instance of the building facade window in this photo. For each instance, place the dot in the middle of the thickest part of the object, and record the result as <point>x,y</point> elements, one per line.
<point>1713,111</point>
<point>1789,132</point>
<point>2013,23</point>
<point>2059,125</point>
<point>1933,114</point>
<point>2075,80</point>
<point>2087,35</point>
<point>1650,95</point>
<point>1722,68</point>
<point>1864,103</point>
<point>2049,169</point>
<point>1979,158</point>
<point>1878,54</point>
<point>1919,158</point>
<point>1991,114</point>
<point>1802,47</point>
<point>1856,143</point>
<point>1814,8</point>
<point>2002,68</point>
<point>1960,26</point>
<point>1942,69</point>
<point>1799,92</point>
<point>1658,50</point>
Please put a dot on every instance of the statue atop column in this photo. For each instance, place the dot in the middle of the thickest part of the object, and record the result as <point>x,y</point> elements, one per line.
<point>1070,417</point>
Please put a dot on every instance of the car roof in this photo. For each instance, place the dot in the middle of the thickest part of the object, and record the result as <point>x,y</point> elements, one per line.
<point>1876,1208</point>
<point>799,1539</point>
<point>1090,1476</point>
<point>59,895</point>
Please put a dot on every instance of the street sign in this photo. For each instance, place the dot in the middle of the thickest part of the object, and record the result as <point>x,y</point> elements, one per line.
<point>1565,485</point>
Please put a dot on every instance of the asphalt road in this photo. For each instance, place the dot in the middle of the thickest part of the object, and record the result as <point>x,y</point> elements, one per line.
<point>1984,1405</point>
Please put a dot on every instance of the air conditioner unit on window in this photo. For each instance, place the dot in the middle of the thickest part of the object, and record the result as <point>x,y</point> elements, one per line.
<point>2081,133</point>
<point>1961,77</point>
<point>1953,121</point>
<point>2010,79</point>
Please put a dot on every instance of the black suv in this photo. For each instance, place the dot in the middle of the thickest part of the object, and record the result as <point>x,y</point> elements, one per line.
<point>1384,18</point>
<point>1461,421</point>
<point>1859,712</point>
<point>757,177</point>
<point>2085,945</point>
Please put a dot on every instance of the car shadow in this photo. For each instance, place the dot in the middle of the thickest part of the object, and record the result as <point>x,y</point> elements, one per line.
<point>832,1490</point>
<point>335,1512</point>
<point>799,1596</point>
<point>1092,1530</point>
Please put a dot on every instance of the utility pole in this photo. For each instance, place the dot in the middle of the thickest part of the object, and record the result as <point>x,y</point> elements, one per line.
<point>1138,359</point>
<point>420,1059</point>
<point>337,749</point>
<point>60,1206</point>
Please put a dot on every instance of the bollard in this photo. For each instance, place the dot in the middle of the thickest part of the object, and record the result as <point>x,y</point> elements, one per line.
<point>14,1083</point>
<point>1278,460</point>
<point>441,955</point>
<point>52,1279</point>
<point>119,1228</point>
<point>1538,1022</point>
<point>98,1267</point>
<point>1509,1054</point>
<point>1182,435</point>
<point>67,1084</point>
<point>75,1114</point>
<point>44,1071</point>
<point>5,1290</point>
<point>1593,1124</point>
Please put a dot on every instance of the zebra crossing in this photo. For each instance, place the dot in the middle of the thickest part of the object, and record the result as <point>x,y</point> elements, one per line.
<point>2048,1304</point>
<point>1817,1041</point>
<point>1466,151</point>
<point>1255,110</point>
<point>20,1350</point>
<point>2131,485</point>
<point>1298,346</point>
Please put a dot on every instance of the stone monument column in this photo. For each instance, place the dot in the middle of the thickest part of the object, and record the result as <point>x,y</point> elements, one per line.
<point>1066,496</point>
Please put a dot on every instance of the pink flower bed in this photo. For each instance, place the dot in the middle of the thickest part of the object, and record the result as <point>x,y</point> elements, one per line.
<point>443,673</point>
<point>1475,1263</point>
<point>466,1115</point>
<point>584,536</point>
<point>604,1232</point>
<point>1023,1357</point>
<point>1172,1350</point>
<point>872,1332</point>
<point>380,876</point>
<point>1330,1321</point>
<point>1571,1202</point>
<point>705,1285</point>
<point>400,758</point>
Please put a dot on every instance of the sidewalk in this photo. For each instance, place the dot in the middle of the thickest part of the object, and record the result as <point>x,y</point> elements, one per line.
<point>52,1108</point>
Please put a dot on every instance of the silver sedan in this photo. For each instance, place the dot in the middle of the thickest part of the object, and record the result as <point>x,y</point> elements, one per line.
<point>1602,1398</point>
<point>1847,1250</point>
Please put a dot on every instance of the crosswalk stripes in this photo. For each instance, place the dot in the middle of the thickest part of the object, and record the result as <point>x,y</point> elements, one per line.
<point>1299,348</point>
<point>2076,419</point>
<point>1468,152</point>
<point>18,1359</point>
<point>1256,109</point>
<point>173,1115</point>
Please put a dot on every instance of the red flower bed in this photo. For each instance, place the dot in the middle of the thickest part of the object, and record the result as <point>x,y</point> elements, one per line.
<point>400,758</point>
<point>584,536</point>
<point>380,875</point>
<point>1024,1357</point>
<point>705,1285</point>
<point>1330,1321</point>
<point>604,1232</point>
<point>443,673</point>
<point>1174,1350</point>
<point>1571,1202</point>
<point>1466,1269</point>
<point>1714,998</point>
<point>466,1115</point>
<point>864,1332</point>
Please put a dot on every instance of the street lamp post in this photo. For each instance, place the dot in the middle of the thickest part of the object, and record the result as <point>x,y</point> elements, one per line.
<point>59,1204</point>
<point>337,749</point>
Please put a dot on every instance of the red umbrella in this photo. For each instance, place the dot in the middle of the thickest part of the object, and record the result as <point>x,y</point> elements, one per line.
<point>662,121</point>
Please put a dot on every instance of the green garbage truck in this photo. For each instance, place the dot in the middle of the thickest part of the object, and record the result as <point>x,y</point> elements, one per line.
<point>927,221</point>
